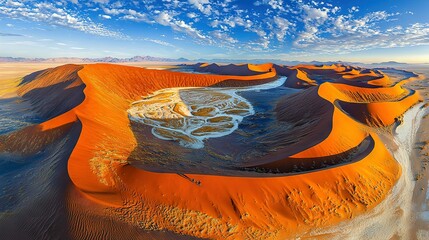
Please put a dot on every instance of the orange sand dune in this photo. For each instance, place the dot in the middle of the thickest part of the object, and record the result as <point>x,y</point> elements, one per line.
<point>338,73</point>
<point>260,67</point>
<point>49,84</point>
<point>375,107</point>
<point>339,68</point>
<point>299,79</point>
<point>235,69</point>
<point>370,78</point>
<point>379,113</point>
<point>221,206</point>
<point>371,106</point>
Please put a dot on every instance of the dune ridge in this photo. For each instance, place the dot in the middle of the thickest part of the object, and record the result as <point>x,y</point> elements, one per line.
<point>98,95</point>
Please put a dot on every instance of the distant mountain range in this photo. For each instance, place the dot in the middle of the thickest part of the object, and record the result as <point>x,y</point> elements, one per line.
<point>390,63</point>
<point>92,60</point>
<point>184,60</point>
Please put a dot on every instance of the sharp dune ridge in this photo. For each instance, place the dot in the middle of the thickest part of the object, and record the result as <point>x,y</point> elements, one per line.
<point>336,116</point>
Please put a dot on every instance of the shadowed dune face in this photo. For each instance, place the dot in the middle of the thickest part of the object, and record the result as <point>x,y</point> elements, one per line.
<point>48,84</point>
<point>298,159</point>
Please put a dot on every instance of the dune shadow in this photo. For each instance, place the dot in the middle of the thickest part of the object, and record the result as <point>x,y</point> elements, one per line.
<point>48,104</point>
<point>16,113</point>
<point>33,190</point>
<point>30,77</point>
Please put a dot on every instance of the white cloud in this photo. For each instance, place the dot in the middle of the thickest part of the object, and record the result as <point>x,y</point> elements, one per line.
<point>117,4</point>
<point>160,42</point>
<point>101,1</point>
<point>214,23</point>
<point>335,9</point>
<point>113,11</point>
<point>378,16</point>
<point>259,32</point>
<point>282,27</point>
<point>313,18</point>
<point>354,9</point>
<point>315,14</point>
<point>10,35</point>
<point>260,45</point>
<point>49,13</point>
<point>167,19</point>
<point>224,37</point>
<point>179,38</point>
<point>182,26</point>
<point>105,16</point>
<point>11,3</point>
<point>274,4</point>
<point>133,15</point>
<point>128,14</point>
<point>397,30</point>
<point>348,24</point>
<point>234,21</point>
<point>350,34</point>
<point>191,15</point>
<point>164,18</point>
<point>202,5</point>
<point>307,37</point>
<point>169,4</point>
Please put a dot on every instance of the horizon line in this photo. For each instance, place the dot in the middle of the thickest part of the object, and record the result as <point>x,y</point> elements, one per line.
<point>272,60</point>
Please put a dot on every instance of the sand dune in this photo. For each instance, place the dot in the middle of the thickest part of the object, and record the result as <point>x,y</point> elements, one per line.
<point>233,69</point>
<point>344,167</point>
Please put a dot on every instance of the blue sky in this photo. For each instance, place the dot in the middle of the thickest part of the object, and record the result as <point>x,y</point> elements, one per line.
<point>360,30</point>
